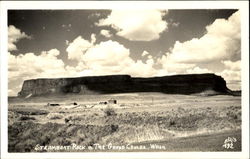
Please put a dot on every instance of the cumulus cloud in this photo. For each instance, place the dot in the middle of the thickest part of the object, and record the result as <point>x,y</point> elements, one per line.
<point>14,35</point>
<point>221,42</point>
<point>105,58</point>
<point>197,70</point>
<point>136,25</point>
<point>236,66</point>
<point>172,66</point>
<point>140,69</point>
<point>79,46</point>
<point>232,71</point>
<point>106,33</point>
<point>93,38</point>
<point>30,66</point>
<point>232,74</point>
<point>106,53</point>
<point>232,77</point>
<point>150,57</point>
<point>110,57</point>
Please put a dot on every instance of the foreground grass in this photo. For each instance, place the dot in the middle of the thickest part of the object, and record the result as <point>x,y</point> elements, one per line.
<point>180,129</point>
<point>208,142</point>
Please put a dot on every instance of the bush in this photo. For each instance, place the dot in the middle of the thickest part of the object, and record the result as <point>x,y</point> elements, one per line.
<point>25,146</point>
<point>114,128</point>
<point>26,118</point>
<point>109,111</point>
<point>29,111</point>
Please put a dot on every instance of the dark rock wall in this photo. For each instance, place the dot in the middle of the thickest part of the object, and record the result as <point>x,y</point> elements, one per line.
<point>181,84</point>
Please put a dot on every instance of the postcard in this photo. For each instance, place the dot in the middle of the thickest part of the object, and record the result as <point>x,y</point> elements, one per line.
<point>124,79</point>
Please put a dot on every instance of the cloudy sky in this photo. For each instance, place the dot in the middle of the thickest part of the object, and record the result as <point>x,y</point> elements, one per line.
<point>145,43</point>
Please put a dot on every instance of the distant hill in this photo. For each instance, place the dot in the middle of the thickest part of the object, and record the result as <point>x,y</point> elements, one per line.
<point>177,84</point>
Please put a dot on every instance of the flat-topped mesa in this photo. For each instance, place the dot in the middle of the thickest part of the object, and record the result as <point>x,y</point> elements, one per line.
<point>177,84</point>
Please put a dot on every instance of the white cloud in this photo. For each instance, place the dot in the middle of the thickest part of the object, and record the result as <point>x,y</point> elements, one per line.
<point>14,35</point>
<point>136,25</point>
<point>232,74</point>
<point>106,33</point>
<point>109,57</point>
<point>198,70</point>
<point>150,57</point>
<point>172,66</point>
<point>30,66</point>
<point>78,47</point>
<point>94,15</point>
<point>140,69</point>
<point>107,53</point>
<point>236,66</point>
<point>221,42</point>
<point>175,24</point>
<point>67,42</point>
<point>232,77</point>
<point>93,38</point>
<point>144,53</point>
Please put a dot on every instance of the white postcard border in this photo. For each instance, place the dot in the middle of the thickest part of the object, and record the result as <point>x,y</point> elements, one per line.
<point>242,5</point>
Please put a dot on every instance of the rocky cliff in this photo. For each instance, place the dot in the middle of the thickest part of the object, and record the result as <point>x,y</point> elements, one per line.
<point>177,84</point>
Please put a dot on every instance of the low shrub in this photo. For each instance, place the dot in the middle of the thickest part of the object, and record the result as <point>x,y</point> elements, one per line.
<point>109,111</point>
<point>29,111</point>
<point>26,118</point>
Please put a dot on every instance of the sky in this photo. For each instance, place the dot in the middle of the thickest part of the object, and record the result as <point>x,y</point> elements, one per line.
<point>141,43</point>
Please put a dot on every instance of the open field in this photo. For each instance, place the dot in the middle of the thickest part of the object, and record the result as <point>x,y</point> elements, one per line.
<point>166,122</point>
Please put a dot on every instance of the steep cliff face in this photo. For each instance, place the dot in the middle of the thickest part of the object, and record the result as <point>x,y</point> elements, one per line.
<point>178,84</point>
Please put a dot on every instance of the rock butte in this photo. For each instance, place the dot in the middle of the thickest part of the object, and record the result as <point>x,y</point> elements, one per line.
<point>176,84</point>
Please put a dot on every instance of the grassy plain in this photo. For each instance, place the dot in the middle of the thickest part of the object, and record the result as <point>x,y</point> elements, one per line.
<point>149,121</point>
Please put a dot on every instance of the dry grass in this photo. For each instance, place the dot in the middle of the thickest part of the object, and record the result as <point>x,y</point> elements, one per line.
<point>138,120</point>
<point>24,136</point>
<point>53,116</point>
<point>29,111</point>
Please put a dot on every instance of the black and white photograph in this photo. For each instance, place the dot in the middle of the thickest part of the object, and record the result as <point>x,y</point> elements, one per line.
<point>124,80</point>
